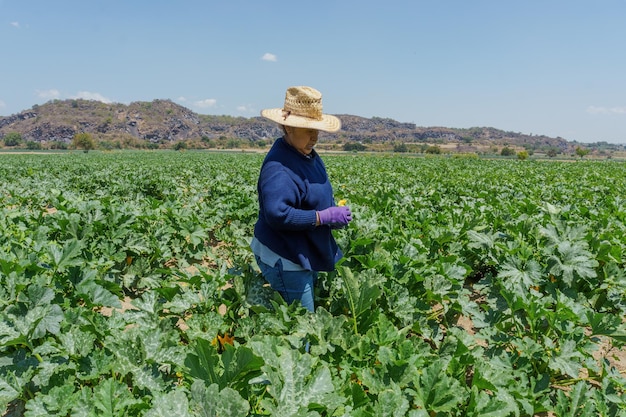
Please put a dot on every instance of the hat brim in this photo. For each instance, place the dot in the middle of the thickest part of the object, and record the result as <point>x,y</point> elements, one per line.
<point>328,123</point>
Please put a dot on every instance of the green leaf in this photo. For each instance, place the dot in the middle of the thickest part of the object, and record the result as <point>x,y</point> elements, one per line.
<point>297,382</point>
<point>361,291</point>
<point>491,404</point>
<point>77,342</point>
<point>162,346</point>
<point>66,256</point>
<point>98,362</point>
<point>9,335</point>
<point>517,275</point>
<point>484,241</point>
<point>49,320</point>
<point>58,401</point>
<point>172,404</point>
<point>574,261</point>
<point>568,360</point>
<point>113,399</point>
<point>36,407</point>
<point>41,316</point>
<point>84,405</point>
<point>148,302</point>
<point>493,373</point>
<point>402,304</point>
<point>436,391</point>
<point>397,365</point>
<point>10,388</point>
<point>195,234</point>
<point>607,325</point>
<point>211,402</point>
<point>391,402</point>
<point>384,333</point>
<point>240,364</point>
<point>149,378</point>
<point>576,404</point>
<point>37,295</point>
<point>324,331</point>
<point>96,294</point>
<point>204,362</point>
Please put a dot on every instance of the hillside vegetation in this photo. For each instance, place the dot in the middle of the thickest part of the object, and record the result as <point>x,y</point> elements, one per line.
<point>163,124</point>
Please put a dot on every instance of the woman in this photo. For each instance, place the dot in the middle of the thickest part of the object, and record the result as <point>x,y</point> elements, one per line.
<point>292,237</point>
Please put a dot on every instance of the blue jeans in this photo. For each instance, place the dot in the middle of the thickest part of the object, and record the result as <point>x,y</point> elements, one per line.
<point>292,285</point>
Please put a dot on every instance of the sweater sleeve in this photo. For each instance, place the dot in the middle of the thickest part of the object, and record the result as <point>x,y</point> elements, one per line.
<point>281,195</point>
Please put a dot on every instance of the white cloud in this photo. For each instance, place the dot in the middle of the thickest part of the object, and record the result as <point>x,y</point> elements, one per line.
<point>48,94</point>
<point>606,110</point>
<point>2,104</point>
<point>206,103</point>
<point>15,24</point>
<point>181,98</point>
<point>269,57</point>
<point>54,94</point>
<point>88,95</point>
<point>246,109</point>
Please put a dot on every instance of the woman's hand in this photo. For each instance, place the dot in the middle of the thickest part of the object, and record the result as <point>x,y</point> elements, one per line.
<point>335,217</point>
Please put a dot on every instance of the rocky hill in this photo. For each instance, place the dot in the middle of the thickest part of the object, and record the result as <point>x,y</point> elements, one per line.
<point>157,121</point>
<point>163,122</point>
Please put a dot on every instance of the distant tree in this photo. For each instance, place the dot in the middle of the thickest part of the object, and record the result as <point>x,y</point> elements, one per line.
<point>522,155</point>
<point>180,145</point>
<point>552,152</point>
<point>33,146</point>
<point>58,145</point>
<point>107,145</point>
<point>506,151</point>
<point>581,152</point>
<point>400,147</point>
<point>435,150</point>
<point>83,141</point>
<point>530,149</point>
<point>353,147</point>
<point>233,143</point>
<point>12,139</point>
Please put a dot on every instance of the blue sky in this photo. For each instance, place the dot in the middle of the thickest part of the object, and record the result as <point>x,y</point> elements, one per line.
<point>552,67</point>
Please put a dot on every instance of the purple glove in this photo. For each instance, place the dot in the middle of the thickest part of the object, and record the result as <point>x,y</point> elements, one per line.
<point>335,217</point>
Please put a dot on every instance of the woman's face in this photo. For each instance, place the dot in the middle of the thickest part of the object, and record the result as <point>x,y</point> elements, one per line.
<point>302,139</point>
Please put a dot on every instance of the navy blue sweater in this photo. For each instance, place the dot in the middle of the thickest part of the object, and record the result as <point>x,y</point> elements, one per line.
<point>292,187</point>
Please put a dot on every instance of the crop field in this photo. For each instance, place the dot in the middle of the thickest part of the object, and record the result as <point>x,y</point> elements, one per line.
<point>468,288</point>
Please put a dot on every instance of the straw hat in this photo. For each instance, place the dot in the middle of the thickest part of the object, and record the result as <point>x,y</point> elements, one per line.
<point>303,108</point>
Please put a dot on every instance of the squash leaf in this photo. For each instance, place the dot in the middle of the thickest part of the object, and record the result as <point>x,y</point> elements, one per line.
<point>361,292</point>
